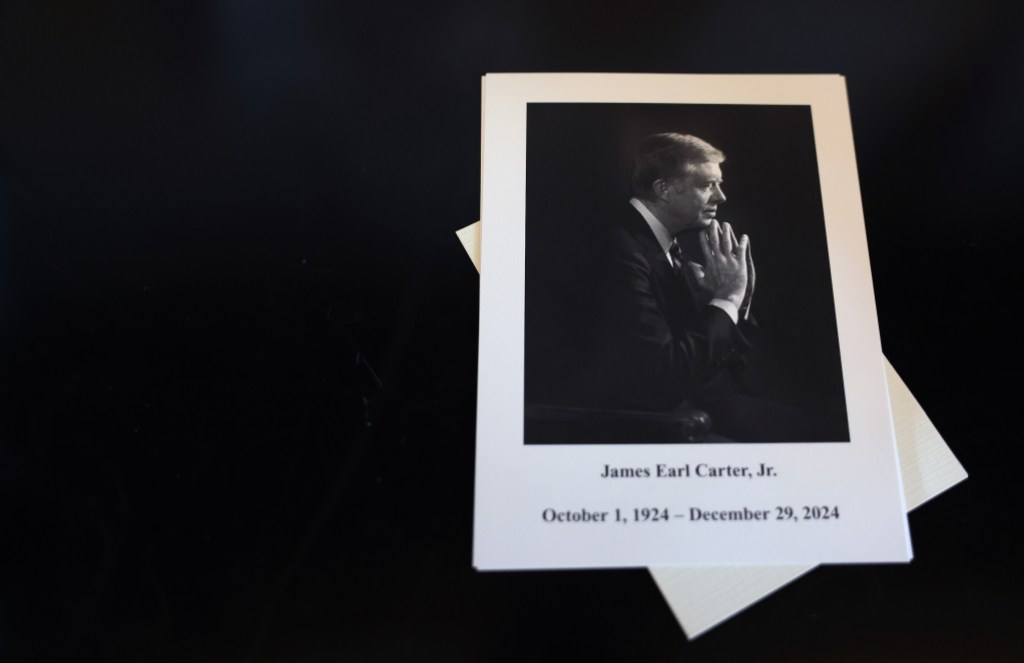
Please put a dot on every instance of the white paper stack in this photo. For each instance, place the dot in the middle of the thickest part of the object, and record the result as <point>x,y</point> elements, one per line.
<point>720,525</point>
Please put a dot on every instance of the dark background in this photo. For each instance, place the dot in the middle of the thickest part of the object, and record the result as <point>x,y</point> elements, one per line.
<point>238,335</point>
<point>578,167</point>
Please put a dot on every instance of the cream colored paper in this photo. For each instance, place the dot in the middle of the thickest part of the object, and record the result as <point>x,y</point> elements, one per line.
<point>703,597</point>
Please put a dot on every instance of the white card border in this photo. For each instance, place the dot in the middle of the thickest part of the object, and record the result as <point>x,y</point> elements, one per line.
<point>513,479</point>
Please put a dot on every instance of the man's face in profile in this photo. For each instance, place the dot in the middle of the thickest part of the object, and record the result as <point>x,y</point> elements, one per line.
<point>693,199</point>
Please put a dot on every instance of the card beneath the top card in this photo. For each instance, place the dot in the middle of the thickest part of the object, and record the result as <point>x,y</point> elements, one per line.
<point>679,353</point>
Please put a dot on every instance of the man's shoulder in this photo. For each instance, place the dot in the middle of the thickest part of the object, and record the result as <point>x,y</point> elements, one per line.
<point>629,232</point>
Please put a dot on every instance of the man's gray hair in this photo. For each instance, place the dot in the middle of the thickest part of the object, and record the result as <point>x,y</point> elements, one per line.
<point>667,156</point>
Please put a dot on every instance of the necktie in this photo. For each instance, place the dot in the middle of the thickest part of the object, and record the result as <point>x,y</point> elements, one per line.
<point>679,261</point>
<point>675,252</point>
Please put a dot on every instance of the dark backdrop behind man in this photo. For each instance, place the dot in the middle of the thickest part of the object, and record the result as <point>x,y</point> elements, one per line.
<point>578,185</point>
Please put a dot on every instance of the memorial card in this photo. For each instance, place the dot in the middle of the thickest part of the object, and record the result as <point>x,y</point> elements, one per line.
<point>679,353</point>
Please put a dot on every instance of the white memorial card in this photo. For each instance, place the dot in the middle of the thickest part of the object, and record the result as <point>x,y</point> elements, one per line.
<point>679,354</point>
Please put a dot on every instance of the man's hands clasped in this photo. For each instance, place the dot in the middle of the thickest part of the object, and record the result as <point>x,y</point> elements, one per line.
<point>728,271</point>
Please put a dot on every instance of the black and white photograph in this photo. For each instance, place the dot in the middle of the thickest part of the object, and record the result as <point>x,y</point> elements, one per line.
<point>677,277</point>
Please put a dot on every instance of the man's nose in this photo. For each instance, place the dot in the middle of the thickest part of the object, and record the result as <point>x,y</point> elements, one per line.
<point>718,195</point>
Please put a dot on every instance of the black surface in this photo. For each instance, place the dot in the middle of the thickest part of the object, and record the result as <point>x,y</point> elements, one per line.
<point>239,337</point>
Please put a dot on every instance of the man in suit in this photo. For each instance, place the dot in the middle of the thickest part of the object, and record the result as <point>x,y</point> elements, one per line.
<point>679,327</point>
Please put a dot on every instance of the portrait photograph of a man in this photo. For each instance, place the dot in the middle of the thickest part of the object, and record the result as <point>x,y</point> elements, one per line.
<point>677,277</point>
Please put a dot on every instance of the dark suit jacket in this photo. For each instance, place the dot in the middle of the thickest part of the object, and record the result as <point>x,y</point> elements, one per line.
<point>664,344</point>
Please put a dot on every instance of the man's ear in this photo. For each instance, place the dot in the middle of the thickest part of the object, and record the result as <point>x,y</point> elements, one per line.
<point>660,188</point>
